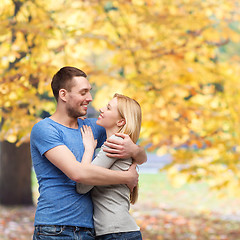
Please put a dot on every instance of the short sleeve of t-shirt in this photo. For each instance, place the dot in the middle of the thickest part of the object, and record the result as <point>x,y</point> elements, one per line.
<point>45,136</point>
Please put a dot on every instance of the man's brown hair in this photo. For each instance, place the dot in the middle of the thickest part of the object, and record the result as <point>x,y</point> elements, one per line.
<point>63,79</point>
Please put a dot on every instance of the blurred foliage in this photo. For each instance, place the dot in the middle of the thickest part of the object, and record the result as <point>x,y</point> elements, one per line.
<point>178,58</point>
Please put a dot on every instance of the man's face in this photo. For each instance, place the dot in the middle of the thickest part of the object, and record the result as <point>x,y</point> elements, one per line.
<point>78,98</point>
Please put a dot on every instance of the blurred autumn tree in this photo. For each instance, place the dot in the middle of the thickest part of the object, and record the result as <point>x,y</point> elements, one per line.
<point>25,67</point>
<point>177,59</point>
<point>36,38</point>
<point>169,55</point>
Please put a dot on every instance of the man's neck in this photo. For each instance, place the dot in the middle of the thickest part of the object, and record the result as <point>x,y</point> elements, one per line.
<point>65,120</point>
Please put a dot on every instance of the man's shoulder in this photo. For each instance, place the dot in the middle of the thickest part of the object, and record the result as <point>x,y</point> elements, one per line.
<point>44,126</point>
<point>46,130</point>
<point>91,121</point>
<point>99,132</point>
<point>39,129</point>
<point>42,123</point>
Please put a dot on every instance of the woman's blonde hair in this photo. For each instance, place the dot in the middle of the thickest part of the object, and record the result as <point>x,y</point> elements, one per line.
<point>130,110</point>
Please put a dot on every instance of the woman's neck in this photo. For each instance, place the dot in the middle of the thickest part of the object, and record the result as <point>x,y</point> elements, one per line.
<point>112,131</point>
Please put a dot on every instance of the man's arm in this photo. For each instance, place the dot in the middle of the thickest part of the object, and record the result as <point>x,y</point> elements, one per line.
<point>89,174</point>
<point>125,148</point>
<point>100,160</point>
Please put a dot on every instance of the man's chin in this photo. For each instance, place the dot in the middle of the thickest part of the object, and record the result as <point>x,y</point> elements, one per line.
<point>83,115</point>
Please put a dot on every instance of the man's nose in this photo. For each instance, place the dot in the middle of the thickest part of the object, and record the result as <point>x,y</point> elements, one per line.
<point>89,97</point>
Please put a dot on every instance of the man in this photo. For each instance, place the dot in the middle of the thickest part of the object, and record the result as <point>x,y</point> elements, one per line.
<point>57,149</point>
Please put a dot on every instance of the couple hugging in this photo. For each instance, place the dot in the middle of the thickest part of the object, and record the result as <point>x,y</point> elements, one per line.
<point>83,196</point>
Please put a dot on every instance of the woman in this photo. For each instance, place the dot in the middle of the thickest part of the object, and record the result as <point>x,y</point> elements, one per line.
<point>111,203</point>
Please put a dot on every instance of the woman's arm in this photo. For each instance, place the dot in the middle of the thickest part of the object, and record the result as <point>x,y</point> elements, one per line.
<point>100,160</point>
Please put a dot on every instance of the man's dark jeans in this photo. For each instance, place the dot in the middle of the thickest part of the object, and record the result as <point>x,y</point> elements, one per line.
<point>49,232</point>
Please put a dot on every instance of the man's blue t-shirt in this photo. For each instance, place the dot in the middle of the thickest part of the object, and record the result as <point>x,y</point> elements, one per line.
<point>59,203</point>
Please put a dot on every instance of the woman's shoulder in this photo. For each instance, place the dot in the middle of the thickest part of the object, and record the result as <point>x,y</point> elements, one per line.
<point>116,137</point>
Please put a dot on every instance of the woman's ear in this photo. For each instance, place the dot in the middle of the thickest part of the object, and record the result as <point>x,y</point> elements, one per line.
<point>121,122</point>
<point>62,94</point>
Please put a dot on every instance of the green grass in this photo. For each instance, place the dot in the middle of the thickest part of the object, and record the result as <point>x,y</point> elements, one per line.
<point>34,187</point>
<point>156,189</point>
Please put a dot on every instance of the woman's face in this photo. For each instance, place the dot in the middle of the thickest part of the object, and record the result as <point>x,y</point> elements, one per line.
<point>109,115</point>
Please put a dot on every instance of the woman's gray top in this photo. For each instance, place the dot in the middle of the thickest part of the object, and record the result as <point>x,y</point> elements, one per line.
<point>111,203</point>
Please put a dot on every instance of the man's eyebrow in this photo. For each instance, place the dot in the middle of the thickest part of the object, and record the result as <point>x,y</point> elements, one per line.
<point>85,89</point>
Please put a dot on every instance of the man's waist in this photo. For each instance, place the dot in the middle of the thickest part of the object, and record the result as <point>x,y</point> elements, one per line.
<point>59,230</point>
<point>81,217</point>
<point>64,227</point>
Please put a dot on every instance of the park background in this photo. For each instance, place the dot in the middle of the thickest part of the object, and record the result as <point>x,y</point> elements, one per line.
<point>178,58</point>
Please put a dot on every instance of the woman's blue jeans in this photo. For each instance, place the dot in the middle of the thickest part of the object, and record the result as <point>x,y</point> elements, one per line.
<point>49,232</point>
<point>136,235</point>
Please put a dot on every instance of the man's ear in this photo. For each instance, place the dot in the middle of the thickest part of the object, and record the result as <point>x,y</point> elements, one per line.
<point>121,122</point>
<point>62,94</point>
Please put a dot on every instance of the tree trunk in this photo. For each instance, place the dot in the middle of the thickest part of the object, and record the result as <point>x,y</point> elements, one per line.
<point>15,174</point>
